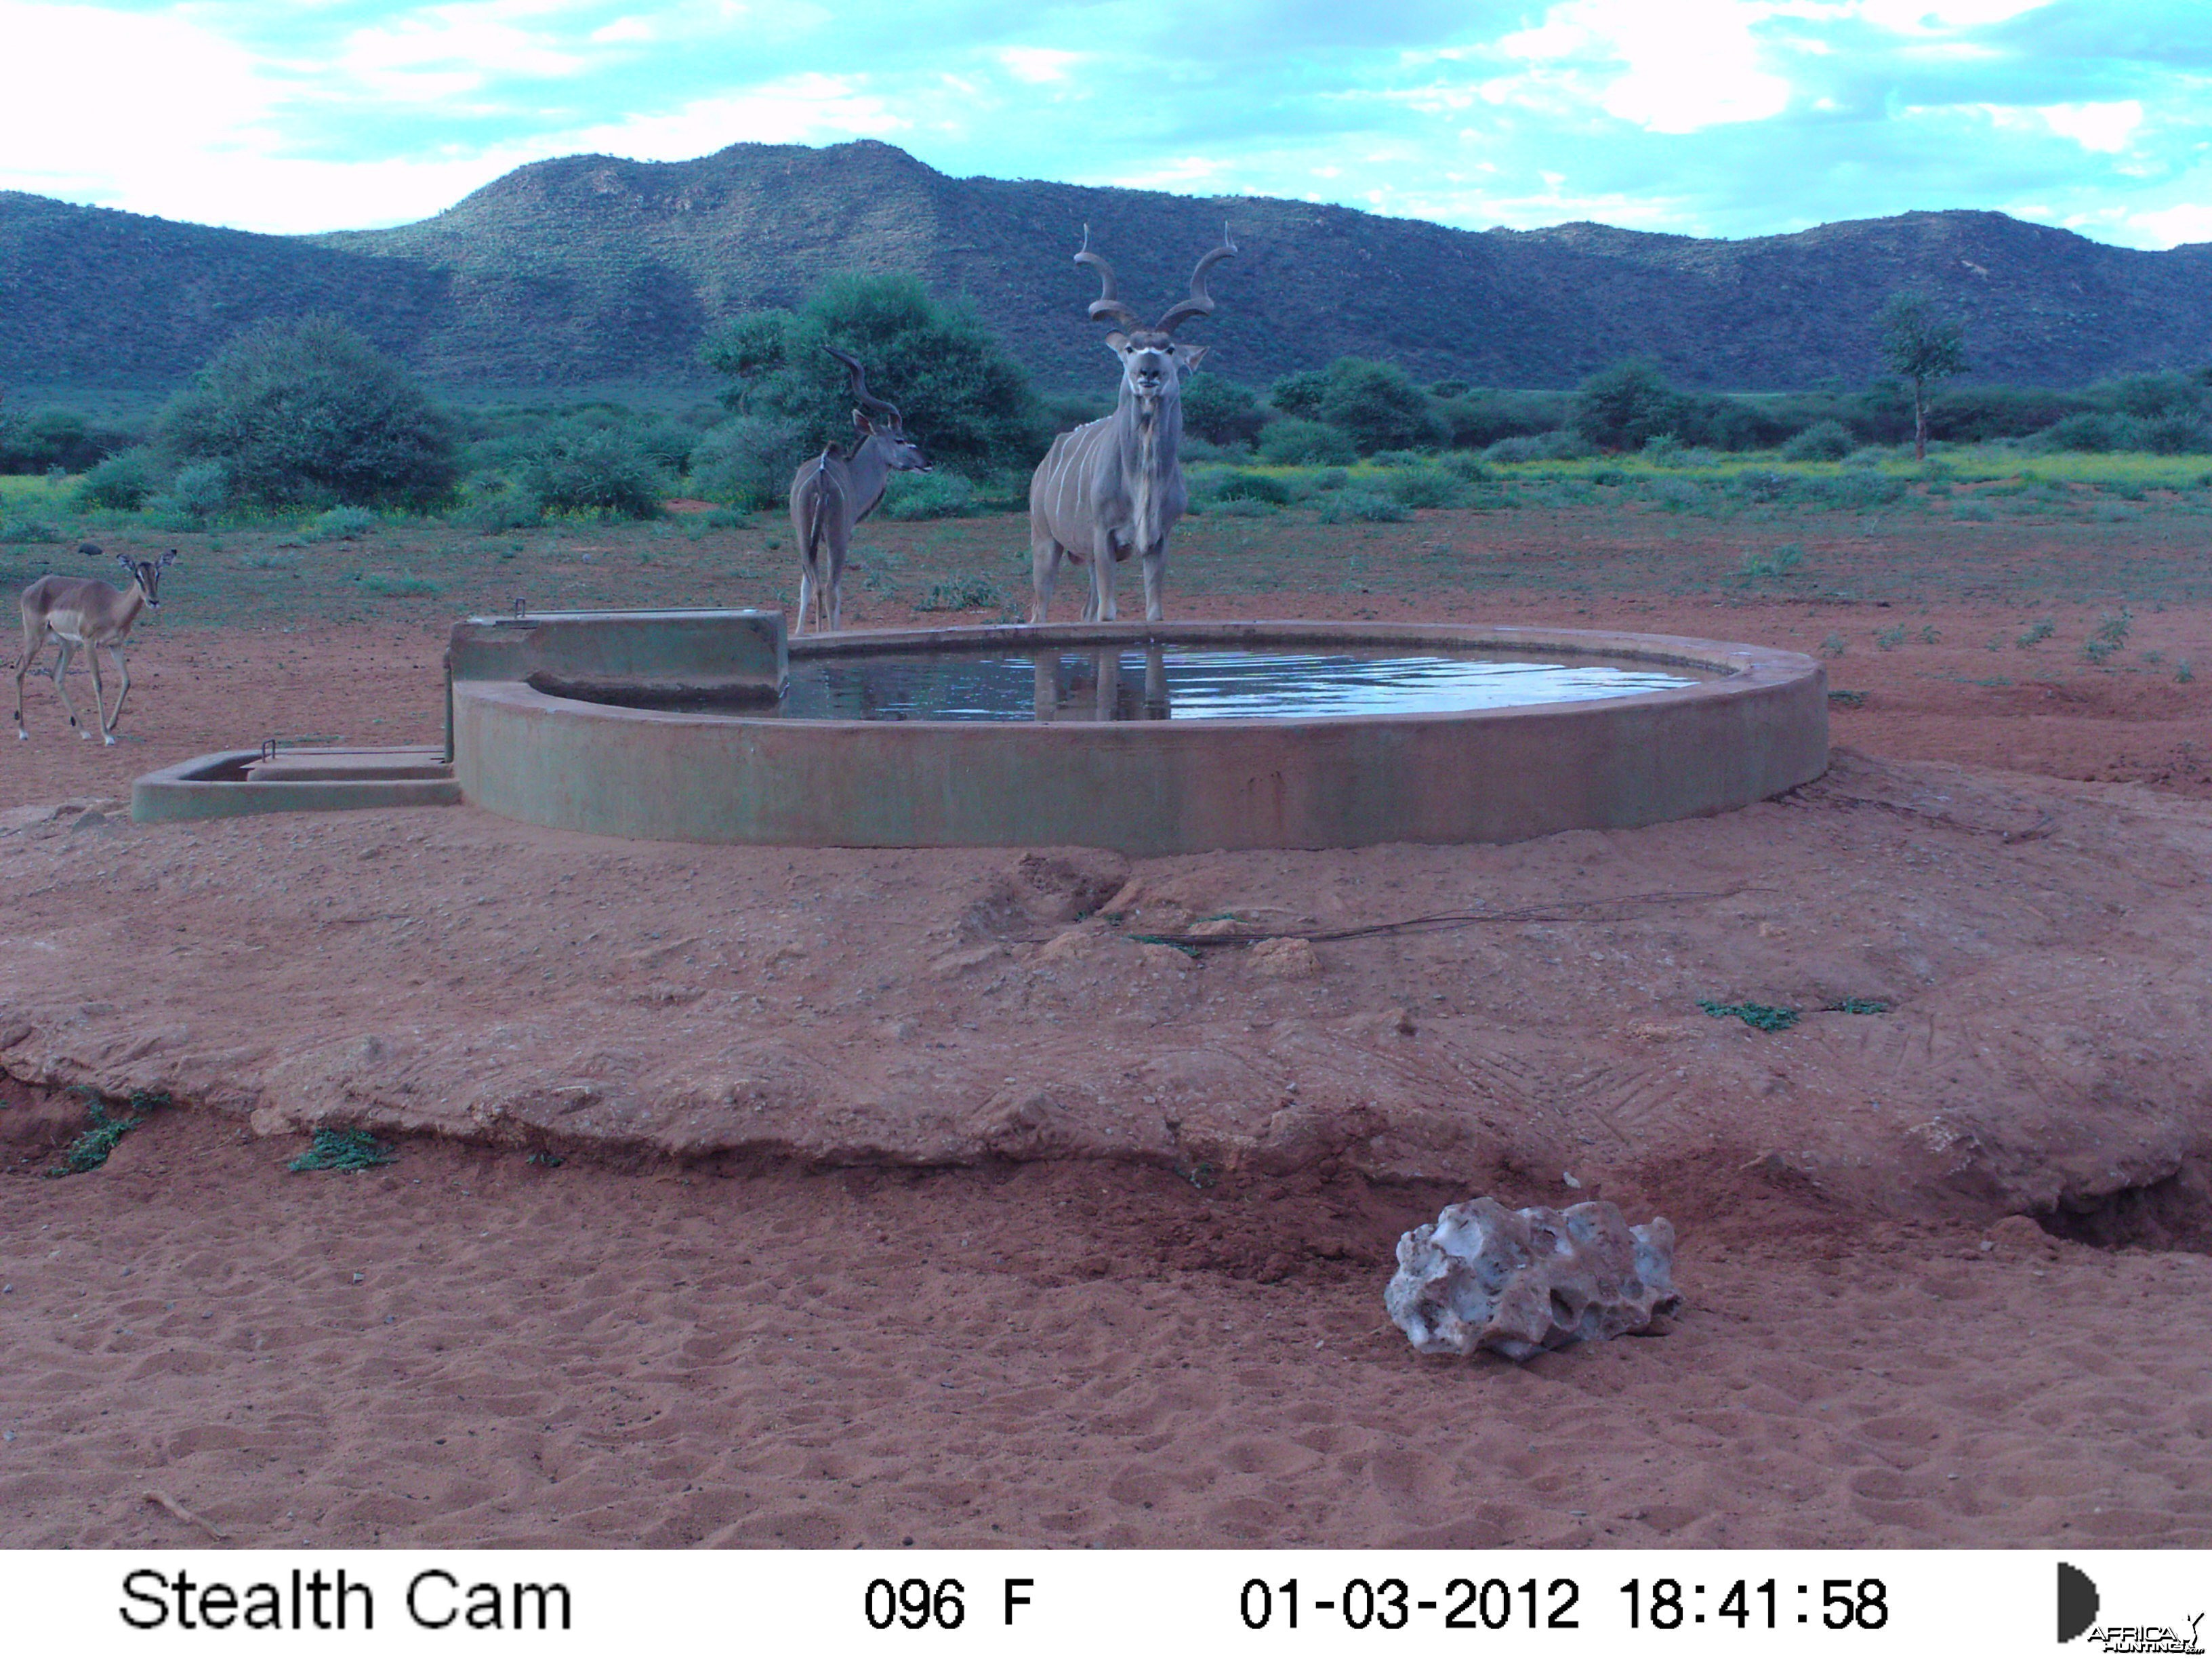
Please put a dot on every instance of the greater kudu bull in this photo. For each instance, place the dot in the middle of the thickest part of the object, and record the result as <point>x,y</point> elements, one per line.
<point>1115,487</point>
<point>832,492</point>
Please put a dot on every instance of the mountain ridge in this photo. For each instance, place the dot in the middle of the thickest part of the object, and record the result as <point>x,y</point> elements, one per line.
<point>578,271</point>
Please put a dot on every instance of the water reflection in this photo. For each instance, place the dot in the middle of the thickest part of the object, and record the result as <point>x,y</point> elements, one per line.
<point>1153,683</point>
<point>1092,685</point>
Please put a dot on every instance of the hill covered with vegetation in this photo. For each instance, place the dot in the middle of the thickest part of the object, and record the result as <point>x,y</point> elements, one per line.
<point>594,272</point>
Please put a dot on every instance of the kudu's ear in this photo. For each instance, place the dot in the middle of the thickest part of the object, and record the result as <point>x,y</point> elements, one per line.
<point>860,424</point>
<point>1188,355</point>
<point>1117,343</point>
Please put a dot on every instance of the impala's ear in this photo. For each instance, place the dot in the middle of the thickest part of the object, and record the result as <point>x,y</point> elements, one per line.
<point>169,557</point>
<point>124,559</point>
<point>1117,343</point>
<point>1188,357</point>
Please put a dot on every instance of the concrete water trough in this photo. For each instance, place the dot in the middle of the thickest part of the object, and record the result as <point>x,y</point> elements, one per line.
<point>711,727</point>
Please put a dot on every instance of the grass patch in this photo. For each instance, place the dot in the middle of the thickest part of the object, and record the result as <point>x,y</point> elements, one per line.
<point>1857,1006</point>
<point>344,1149</point>
<point>397,585</point>
<point>1847,699</point>
<point>1760,1016</point>
<point>90,1149</point>
<point>964,594</point>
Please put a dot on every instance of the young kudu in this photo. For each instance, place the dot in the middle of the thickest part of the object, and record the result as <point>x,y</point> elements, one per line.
<point>1115,487</point>
<point>832,492</point>
<point>80,610</point>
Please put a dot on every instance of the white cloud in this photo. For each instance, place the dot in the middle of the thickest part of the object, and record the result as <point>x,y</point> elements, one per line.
<point>443,52</point>
<point>125,109</point>
<point>1671,68</point>
<point>1929,16</point>
<point>2104,128</point>
<point>1038,65</point>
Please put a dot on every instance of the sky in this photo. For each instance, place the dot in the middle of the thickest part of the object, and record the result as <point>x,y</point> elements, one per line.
<point>1710,117</point>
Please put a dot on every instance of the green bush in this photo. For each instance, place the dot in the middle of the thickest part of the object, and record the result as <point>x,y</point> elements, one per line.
<point>1295,442</point>
<point>343,524</point>
<point>197,492</point>
<point>1377,406</point>
<point>2090,435</point>
<point>29,530</point>
<point>936,495</point>
<point>965,398</point>
<point>1620,407</point>
<point>577,467</point>
<point>1563,444</point>
<point>1427,486</point>
<point>1298,395</point>
<point>1242,506</point>
<point>1251,487</point>
<point>306,412</point>
<point>120,483</point>
<point>1824,441</point>
<point>963,593</point>
<point>47,438</point>
<point>1220,411</point>
<point>1364,505</point>
<point>749,460</point>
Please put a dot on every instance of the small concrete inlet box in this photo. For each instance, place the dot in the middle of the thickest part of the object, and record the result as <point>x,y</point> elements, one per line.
<point>731,656</point>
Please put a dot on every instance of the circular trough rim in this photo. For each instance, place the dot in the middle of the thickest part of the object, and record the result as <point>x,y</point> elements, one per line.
<point>1738,669</point>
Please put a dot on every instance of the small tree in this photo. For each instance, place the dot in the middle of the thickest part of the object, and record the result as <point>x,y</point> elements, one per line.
<point>1220,411</point>
<point>1920,347</point>
<point>304,411</point>
<point>965,398</point>
<point>1625,406</point>
<point>1378,406</point>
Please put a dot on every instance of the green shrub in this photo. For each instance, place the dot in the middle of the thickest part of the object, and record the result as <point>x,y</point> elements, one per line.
<point>1462,464</point>
<point>120,483</point>
<point>197,492</point>
<point>344,1149</point>
<point>938,495</point>
<point>963,593</point>
<point>1975,512</point>
<point>1824,441</point>
<point>2036,634</point>
<point>1295,442</point>
<point>305,411</point>
<point>749,460</point>
<point>343,524</point>
<point>1242,507</point>
<point>1251,487</point>
<point>1620,407</point>
<point>1565,445</point>
<point>1220,411</point>
<point>29,530</point>
<point>1427,486</point>
<point>966,399</point>
<point>577,467</point>
<point>494,513</point>
<point>1364,505</point>
<point>1377,406</point>
<point>2090,435</point>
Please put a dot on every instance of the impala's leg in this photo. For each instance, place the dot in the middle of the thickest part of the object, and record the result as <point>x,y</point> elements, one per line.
<point>35,642</point>
<point>61,690</point>
<point>99,694</point>
<point>124,669</point>
<point>1154,564</point>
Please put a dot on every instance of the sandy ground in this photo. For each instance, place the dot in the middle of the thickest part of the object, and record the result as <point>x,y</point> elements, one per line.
<point>1143,1307</point>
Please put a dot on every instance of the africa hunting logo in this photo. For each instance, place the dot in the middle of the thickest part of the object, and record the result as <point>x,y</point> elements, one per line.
<point>2078,1607</point>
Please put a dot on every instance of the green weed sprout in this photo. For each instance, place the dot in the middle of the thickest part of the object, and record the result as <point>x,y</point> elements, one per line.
<point>344,1149</point>
<point>1760,1016</point>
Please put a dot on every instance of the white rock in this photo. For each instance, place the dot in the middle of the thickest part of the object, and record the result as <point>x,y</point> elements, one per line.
<point>1519,1281</point>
